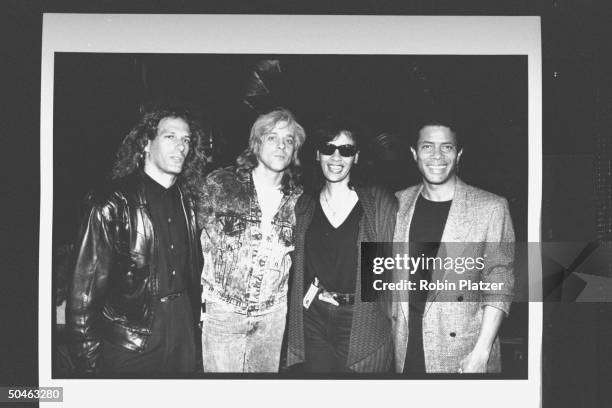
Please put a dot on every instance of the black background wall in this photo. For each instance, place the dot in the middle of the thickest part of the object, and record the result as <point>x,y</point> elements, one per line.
<point>97,99</point>
<point>576,163</point>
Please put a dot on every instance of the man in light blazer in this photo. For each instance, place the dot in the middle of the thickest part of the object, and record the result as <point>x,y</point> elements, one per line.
<point>454,331</point>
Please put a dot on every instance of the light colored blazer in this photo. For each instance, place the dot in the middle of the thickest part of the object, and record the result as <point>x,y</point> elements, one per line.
<point>476,221</point>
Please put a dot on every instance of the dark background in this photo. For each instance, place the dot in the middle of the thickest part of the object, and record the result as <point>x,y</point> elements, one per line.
<point>576,145</point>
<point>98,97</point>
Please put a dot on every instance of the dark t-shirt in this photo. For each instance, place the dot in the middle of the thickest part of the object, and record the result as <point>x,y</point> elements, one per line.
<point>331,253</point>
<point>426,231</point>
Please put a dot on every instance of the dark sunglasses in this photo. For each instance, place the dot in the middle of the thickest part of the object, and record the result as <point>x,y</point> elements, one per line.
<point>346,150</point>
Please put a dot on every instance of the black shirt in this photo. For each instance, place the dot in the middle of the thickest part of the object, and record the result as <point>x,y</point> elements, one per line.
<point>331,253</point>
<point>170,226</point>
<point>426,229</point>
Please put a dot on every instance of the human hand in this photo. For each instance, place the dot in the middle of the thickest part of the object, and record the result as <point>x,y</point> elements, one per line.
<point>327,297</point>
<point>475,362</point>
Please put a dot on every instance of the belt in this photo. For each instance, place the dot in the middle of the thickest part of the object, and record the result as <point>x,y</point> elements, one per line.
<point>171,296</point>
<point>341,298</point>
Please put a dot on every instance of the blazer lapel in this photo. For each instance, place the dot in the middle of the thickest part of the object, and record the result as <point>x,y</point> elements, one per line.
<point>366,234</point>
<point>407,201</point>
<point>456,230</point>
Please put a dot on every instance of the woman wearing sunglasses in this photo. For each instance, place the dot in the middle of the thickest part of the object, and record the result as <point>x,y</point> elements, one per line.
<point>330,329</point>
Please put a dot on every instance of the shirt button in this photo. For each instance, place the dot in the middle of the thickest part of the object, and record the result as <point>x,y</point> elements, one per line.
<point>460,298</point>
<point>173,273</point>
<point>169,219</point>
<point>171,246</point>
<point>453,334</point>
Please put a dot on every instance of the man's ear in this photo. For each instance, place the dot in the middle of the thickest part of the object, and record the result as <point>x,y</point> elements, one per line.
<point>459,155</point>
<point>318,158</point>
<point>147,146</point>
<point>414,155</point>
<point>356,158</point>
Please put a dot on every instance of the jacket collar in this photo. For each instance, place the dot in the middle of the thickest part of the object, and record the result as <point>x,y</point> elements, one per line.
<point>367,202</point>
<point>456,229</point>
<point>459,216</point>
<point>308,202</point>
<point>248,181</point>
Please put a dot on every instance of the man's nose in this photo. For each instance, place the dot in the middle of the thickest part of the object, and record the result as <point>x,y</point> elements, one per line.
<point>181,146</point>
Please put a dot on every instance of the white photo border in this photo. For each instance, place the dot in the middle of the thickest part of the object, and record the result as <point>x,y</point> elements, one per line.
<point>288,34</point>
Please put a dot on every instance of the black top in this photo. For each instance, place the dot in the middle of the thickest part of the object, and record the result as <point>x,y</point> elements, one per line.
<point>331,253</point>
<point>170,228</point>
<point>426,229</point>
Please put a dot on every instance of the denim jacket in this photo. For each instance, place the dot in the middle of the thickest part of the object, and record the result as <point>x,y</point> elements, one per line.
<point>242,267</point>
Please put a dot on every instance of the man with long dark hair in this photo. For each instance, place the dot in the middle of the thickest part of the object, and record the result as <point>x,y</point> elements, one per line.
<point>247,218</point>
<point>134,298</point>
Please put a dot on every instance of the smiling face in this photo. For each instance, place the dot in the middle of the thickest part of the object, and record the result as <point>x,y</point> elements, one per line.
<point>436,155</point>
<point>277,148</point>
<point>166,153</point>
<point>335,167</point>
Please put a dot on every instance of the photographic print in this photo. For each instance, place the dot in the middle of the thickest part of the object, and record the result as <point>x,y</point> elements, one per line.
<point>303,76</point>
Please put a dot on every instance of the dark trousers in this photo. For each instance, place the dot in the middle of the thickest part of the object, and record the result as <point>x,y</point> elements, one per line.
<point>327,334</point>
<point>171,348</point>
<point>415,355</point>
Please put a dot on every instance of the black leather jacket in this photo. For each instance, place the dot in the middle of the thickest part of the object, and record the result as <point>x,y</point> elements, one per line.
<point>115,280</point>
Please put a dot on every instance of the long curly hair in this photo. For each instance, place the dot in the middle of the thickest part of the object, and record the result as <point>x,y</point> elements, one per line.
<point>247,160</point>
<point>130,154</point>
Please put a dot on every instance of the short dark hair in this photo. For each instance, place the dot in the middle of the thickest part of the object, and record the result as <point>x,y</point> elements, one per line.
<point>329,129</point>
<point>437,118</point>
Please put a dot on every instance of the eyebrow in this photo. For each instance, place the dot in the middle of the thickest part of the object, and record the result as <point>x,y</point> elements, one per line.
<point>276,134</point>
<point>166,131</point>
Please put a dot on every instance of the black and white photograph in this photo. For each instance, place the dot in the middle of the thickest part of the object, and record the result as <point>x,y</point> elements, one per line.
<point>210,224</point>
<point>383,102</point>
<point>303,203</point>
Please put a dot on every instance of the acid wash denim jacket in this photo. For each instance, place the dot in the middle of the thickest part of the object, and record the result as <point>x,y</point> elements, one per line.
<point>242,266</point>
